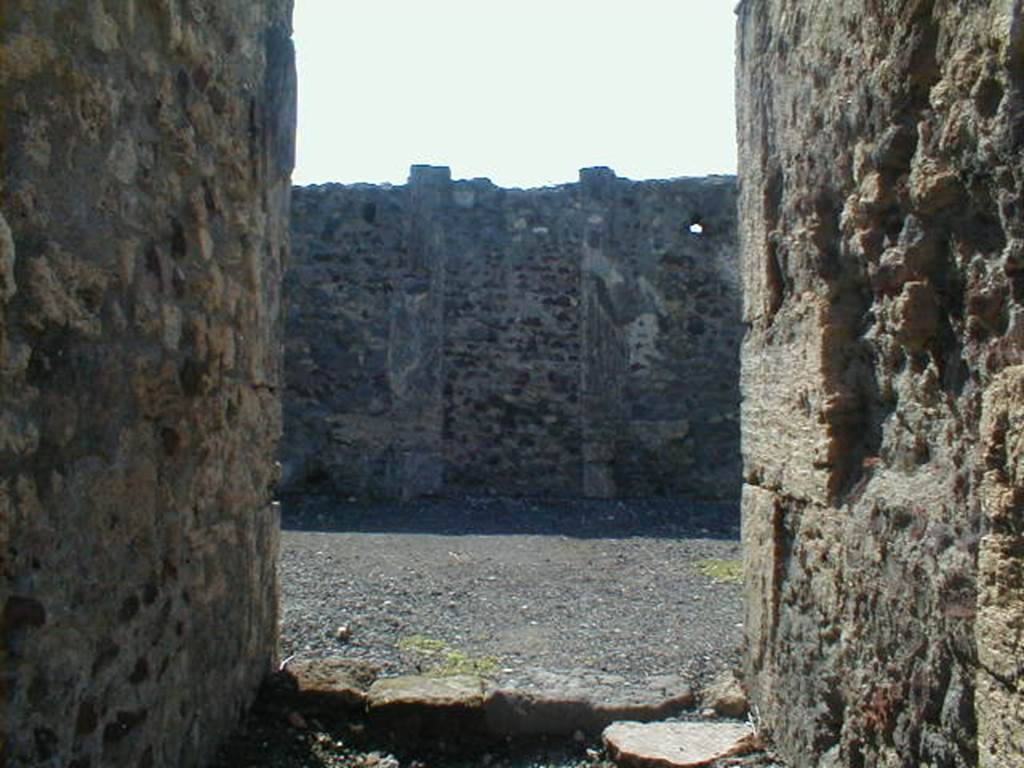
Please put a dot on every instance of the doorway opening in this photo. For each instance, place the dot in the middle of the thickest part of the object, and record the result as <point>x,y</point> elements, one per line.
<point>511,442</point>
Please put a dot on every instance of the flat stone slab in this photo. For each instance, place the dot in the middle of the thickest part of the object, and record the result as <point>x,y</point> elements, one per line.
<point>447,712</point>
<point>529,702</point>
<point>330,683</point>
<point>539,702</point>
<point>414,691</point>
<point>676,745</point>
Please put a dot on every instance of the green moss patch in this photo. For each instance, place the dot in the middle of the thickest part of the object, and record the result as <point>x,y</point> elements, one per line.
<point>421,644</point>
<point>718,569</point>
<point>438,660</point>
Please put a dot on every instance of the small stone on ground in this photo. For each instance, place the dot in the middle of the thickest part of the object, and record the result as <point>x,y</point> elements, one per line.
<point>726,696</point>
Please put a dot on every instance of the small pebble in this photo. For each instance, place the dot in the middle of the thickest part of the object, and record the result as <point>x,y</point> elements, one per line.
<point>343,633</point>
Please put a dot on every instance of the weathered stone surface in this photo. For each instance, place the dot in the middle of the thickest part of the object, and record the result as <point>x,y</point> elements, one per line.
<point>540,702</point>
<point>143,196</point>
<point>144,163</point>
<point>881,224</point>
<point>446,710</point>
<point>1000,622</point>
<point>458,337</point>
<point>675,745</point>
<point>7,284</point>
<point>414,691</point>
<point>725,696</point>
<point>333,684</point>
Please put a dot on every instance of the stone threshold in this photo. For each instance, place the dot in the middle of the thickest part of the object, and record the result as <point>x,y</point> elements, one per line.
<point>465,713</point>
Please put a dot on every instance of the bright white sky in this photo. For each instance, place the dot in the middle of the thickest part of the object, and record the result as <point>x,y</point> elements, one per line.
<point>525,92</point>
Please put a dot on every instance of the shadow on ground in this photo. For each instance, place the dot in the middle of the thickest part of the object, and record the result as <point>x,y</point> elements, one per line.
<point>485,516</point>
<point>283,730</point>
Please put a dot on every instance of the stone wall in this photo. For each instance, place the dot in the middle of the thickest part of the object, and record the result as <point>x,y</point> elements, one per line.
<point>457,337</point>
<point>145,150</point>
<point>882,235</point>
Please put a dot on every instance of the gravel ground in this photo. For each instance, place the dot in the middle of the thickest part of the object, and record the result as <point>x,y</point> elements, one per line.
<point>496,585</point>
<point>512,584</point>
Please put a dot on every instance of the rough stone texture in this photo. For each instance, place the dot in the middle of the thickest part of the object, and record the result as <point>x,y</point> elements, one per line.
<point>882,237</point>
<point>333,684</point>
<point>536,703</point>
<point>675,745</point>
<point>463,691</point>
<point>999,696</point>
<point>540,702</point>
<point>459,337</point>
<point>444,711</point>
<point>145,150</point>
<point>725,696</point>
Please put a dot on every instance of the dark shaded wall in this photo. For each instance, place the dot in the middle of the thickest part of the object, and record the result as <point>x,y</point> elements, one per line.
<point>456,337</point>
<point>145,154</point>
<point>883,378</point>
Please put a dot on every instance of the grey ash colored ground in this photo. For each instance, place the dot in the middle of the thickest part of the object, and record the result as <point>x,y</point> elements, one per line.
<point>503,585</point>
<point>606,586</point>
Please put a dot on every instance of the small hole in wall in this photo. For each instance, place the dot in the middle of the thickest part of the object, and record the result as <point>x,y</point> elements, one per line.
<point>696,228</point>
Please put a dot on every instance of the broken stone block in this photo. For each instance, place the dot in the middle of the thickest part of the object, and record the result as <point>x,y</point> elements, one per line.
<point>725,696</point>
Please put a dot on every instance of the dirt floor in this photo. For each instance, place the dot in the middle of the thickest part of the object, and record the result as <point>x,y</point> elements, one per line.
<point>502,588</point>
<point>631,589</point>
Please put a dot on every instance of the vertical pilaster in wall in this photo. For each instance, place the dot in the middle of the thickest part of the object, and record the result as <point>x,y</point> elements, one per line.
<point>430,199</point>
<point>605,355</point>
<point>415,350</point>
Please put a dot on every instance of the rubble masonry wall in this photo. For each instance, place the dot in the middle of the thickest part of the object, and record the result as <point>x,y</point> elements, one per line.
<point>146,149</point>
<point>457,337</point>
<point>882,236</point>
